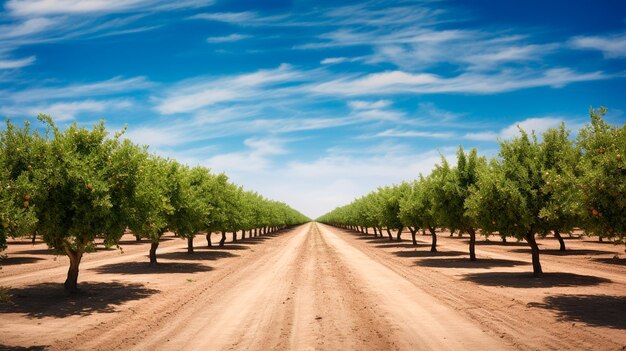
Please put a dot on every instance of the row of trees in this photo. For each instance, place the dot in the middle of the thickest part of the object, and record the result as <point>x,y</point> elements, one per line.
<point>534,187</point>
<point>75,185</point>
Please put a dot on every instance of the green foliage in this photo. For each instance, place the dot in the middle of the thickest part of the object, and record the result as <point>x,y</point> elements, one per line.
<point>603,176</point>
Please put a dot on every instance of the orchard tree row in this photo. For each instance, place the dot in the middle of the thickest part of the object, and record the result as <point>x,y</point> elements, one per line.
<point>74,185</point>
<point>535,186</point>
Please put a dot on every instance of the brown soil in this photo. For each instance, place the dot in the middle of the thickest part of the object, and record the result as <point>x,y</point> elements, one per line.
<point>317,287</point>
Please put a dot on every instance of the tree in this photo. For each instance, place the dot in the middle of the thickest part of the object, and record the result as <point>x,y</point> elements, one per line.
<point>559,158</point>
<point>153,209</point>
<point>21,152</point>
<point>603,176</point>
<point>190,207</point>
<point>416,208</point>
<point>88,192</point>
<point>453,190</point>
<point>509,196</point>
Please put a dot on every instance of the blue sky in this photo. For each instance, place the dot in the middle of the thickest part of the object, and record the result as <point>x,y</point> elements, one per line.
<point>314,103</point>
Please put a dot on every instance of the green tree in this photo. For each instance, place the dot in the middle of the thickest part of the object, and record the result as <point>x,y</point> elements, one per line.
<point>92,179</point>
<point>508,196</point>
<point>453,190</point>
<point>603,179</point>
<point>559,158</point>
<point>152,209</point>
<point>21,172</point>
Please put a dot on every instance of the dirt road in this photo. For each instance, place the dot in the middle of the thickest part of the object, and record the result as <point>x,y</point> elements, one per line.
<point>313,287</point>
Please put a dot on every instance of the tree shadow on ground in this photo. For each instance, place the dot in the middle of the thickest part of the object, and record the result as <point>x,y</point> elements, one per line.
<point>229,246</point>
<point>596,310</point>
<point>23,348</point>
<point>402,245</point>
<point>198,255</point>
<point>141,242</point>
<point>28,242</point>
<point>612,260</point>
<point>486,263</point>
<point>145,268</point>
<point>13,260</point>
<point>527,280</point>
<point>557,252</point>
<point>500,243</point>
<point>50,300</point>
<point>427,253</point>
<point>38,252</point>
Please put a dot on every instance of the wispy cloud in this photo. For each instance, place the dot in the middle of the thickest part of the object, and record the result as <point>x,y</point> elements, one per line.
<point>611,46</point>
<point>197,93</point>
<point>394,133</point>
<point>537,125</point>
<point>16,63</point>
<point>29,8</point>
<point>399,82</point>
<point>227,38</point>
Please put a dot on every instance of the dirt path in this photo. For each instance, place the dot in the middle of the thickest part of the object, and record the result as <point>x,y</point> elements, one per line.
<point>312,287</point>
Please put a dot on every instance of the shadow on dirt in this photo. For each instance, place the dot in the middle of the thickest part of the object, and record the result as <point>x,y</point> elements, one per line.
<point>499,243</point>
<point>49,299</point>
<point>556,252</point>
<point>486,263</point>
<point>22,348</point>
<point>597,310</point>
<point>427,253</point>
<point>402,245</point>
<point>145,268</point>
<point>15,260</point>
<point>527,280</point>
<point>611,260</point>
<point>206,254</point>
<point>38,252</point>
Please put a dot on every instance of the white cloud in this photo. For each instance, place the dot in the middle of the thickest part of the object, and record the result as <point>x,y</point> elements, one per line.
<point>611,46</point>
<point>67,110</point>
<point>18,63</point>
<point>537,125</point>
<point>113,86</point>
<point>194,94</point>
<point>367,105</point>
<point>256,158</point>
<point>67,7</point>
<point>227,38</point>
<point>399,82</point>
<point>394,133</point>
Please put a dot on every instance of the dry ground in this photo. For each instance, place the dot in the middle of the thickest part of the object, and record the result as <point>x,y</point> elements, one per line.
<point>318,287</point>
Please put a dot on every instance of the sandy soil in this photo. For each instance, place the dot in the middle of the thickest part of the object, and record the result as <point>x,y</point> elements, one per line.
<point>320,288</point>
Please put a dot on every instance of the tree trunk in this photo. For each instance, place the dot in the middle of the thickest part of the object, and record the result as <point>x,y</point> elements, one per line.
<point>255,233</point>
<point>433,246</point>
<point>600,238</point>
<point>424,232</point>
<point>234,236</point>
<point>530,238</point>
<point>71,283</point>
<point>504,238</point>
<point>34,238</point>
<point>399,235</point>
<point>557,235</point>
<point>223,239</point>
<point>137,238</point>
<point>243,234</point>
<point>375,232</point>
<point>153,249</point>
<point>389,234</point>
<point>472,243</point>
<point>208,239</point>
<point>367,231</point>
<point>413,232</point>
<point>190,245</point>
